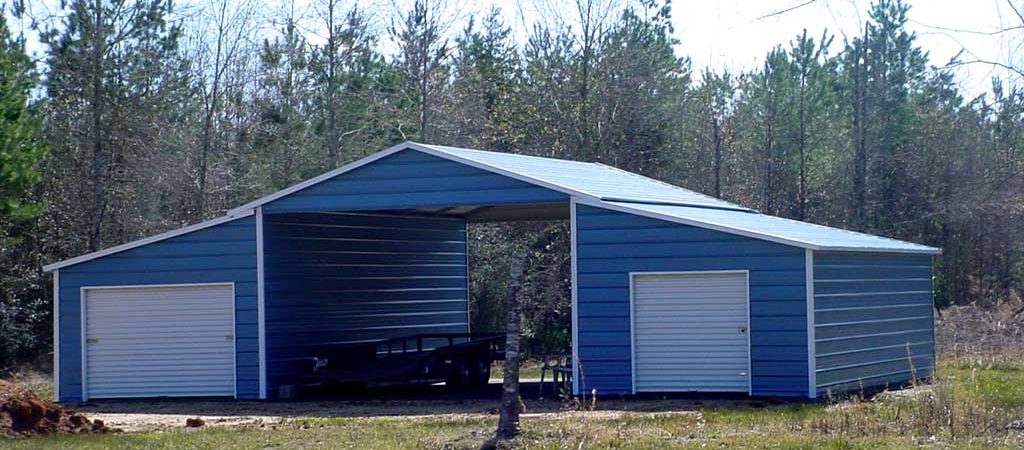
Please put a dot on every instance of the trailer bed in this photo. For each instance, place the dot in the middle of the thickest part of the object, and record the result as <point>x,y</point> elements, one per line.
<point>461,360</point>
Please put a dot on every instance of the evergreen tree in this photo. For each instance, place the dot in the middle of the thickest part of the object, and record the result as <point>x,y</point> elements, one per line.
<point>114,79</point>
<point>422,64</point>
<point>24,303</point>
<point>21,147</point>
<point>353,88</point>
<point>288,154</point>
<point>642,80</point>
<point>485,106</point>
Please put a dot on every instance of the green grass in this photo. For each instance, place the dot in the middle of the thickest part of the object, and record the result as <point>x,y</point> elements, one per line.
<point>528,370</point>
<point>999,382</point>
<point>968,407</point>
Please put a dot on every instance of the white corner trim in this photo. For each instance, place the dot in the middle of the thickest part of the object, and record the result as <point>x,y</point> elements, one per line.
<point>812,365</point>
<point>261,305</point>
<point>632,335</point>
<point>141,242</point>
<point>56,335</point>
<point>81,342</point>
<point>234,343</point>
<point>750,347</point>
<point>575,310</point>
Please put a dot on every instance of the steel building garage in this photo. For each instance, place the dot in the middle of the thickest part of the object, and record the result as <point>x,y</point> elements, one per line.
<point>673,291</point>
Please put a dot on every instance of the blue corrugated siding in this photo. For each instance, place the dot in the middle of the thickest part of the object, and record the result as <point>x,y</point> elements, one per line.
<point>610,245</point>
<point>344,278</point>
<point>223,253</point>
<point>873,318</point>
<point>411,179</point>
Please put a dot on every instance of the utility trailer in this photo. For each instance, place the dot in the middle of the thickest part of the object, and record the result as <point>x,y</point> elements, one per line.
<point>460,360</point>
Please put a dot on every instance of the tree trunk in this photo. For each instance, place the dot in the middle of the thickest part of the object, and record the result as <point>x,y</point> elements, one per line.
<point>716,134</point>
<point>333,156</point>
<point>98,172</point>
<point>802,193</point>
<point>508,421</point>
<point>860,141</point>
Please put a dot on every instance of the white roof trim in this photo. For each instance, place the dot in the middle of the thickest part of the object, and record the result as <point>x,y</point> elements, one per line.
<point>145,241</point>
<point>924,251</point>
<point>753,234</point>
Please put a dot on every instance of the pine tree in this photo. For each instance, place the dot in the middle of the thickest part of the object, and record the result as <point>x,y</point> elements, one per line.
<point>422,64</point>
<point>640,81</point>
<point>21,147</point>
<point>114,79</point>
<point>24,304</point>
<point>287,152</point>
<point>485,106</point>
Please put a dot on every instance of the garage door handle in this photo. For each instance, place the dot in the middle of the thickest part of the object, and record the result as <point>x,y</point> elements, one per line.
<point>92,341</point>
<point>742,330</point>
<point>229,337</point>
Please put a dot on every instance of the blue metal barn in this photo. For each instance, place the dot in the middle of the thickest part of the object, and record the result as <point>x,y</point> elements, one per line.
<point>673,291</point>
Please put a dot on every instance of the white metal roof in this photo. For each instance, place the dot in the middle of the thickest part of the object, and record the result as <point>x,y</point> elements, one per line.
<point>770,228</point>
<point>590,179</point>
<point>580,179</point>
<point>597,185</point>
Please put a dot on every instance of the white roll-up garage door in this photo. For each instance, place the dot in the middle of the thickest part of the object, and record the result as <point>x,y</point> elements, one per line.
<point>159,341</point>
<point>690,332</point>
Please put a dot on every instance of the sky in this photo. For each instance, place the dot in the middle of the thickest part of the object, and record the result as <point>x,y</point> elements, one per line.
<point>736,34</point>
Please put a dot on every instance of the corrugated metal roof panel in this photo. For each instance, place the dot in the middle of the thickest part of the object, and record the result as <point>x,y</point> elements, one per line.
<point>598,180</point>
<point>803,234</point>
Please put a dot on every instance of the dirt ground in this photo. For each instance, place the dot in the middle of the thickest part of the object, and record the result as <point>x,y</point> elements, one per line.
<point>23,414</point>
<point>407,403</point>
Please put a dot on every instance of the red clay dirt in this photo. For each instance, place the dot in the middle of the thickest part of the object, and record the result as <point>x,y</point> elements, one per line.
<point>23,414</point>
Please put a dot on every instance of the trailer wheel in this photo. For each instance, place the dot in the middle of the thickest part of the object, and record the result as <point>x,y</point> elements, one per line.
<point>458,375</point>
<point>480,373</point>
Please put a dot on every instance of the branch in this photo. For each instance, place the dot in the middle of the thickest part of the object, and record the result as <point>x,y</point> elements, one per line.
<point>966,31</point>
<point>1018,71</point>
<point>1015,10</point>
<point>786,10</point>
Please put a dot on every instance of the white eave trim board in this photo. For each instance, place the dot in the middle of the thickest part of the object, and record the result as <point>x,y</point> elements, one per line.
<point>145,241</point>
<point>923,251</point>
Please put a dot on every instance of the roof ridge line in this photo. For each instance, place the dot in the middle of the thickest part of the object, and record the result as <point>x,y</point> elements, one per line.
<point>521,155</point>
<point>675,203</point>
